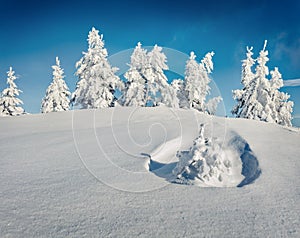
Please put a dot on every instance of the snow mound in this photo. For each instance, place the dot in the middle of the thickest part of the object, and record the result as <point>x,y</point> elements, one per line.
<point>208,162</point>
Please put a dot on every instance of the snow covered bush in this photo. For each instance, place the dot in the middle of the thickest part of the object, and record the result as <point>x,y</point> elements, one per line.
<point>205,161</point>
<point>97,81</point>
<point>260,98</point>
<point>57,94</point>
<point>9,103</point>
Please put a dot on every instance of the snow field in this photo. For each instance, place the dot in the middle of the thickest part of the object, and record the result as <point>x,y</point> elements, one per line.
<point>49,190</point>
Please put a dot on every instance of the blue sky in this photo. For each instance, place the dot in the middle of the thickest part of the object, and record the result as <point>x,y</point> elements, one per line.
<point>34,32</point>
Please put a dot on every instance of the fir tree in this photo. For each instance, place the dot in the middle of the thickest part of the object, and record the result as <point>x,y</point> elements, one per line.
<point>97,80</point>
<point>281,108</point>
<point>147,85</point>
<point>243,95</point>
<point>260,98</point>
<point>178,87</point>
<point>191,75</point>
<point>9,103</point>
<point>197,80</point>
<point>135,94</point>
<point>261,104</point>
<point>57,94</point>
<point>253,98</point>
<point>158,89</point>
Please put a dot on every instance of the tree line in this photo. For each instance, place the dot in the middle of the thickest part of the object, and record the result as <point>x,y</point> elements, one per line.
<point>147,85</point>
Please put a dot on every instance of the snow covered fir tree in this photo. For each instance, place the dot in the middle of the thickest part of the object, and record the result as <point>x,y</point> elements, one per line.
<point>260,98</point>
<point>136,91</point>
<point>197,80</point>
<point>10,104</point>
<point>147,84</point>
<point>192,92</point>
<point>97,82</point>
<point>281,108</point>
<point>158,89</point>
<point>57,94</point>
<point>178,90</point>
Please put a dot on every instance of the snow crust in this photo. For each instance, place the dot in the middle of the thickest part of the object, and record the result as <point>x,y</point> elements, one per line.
<point>108,173</point>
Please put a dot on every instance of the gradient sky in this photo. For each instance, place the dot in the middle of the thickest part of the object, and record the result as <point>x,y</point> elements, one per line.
<point>33,33</point>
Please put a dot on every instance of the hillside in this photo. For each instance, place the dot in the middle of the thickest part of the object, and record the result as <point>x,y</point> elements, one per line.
<point>107,173</point>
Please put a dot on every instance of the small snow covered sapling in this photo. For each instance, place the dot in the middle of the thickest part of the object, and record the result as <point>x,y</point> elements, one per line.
<point>204,161</point>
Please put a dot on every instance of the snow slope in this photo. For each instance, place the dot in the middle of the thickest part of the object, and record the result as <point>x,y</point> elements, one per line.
<point>106,173</point>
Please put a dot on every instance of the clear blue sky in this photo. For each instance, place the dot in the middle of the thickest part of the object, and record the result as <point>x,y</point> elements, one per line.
<point>34,32</point>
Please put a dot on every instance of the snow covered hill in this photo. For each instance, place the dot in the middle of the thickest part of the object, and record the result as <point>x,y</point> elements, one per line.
<point>108,173</point>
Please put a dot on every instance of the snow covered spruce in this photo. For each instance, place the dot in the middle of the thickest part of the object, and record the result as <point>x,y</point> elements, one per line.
<point>57,94</point>
<point>196,85</point>
<point>147,85</point>
<point>260,98</point>
<point>205,162</point>
<point>136,91</point>
<point>9,102</point>
<point>97,81</point>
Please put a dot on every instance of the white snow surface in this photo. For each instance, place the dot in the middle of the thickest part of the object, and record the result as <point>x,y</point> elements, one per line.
<point>107,173</point>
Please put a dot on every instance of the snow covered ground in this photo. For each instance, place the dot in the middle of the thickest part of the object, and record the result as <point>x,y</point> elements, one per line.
<point>107,173</point>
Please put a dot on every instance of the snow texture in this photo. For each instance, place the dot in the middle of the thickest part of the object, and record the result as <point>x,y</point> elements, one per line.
<point>107,190</point>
